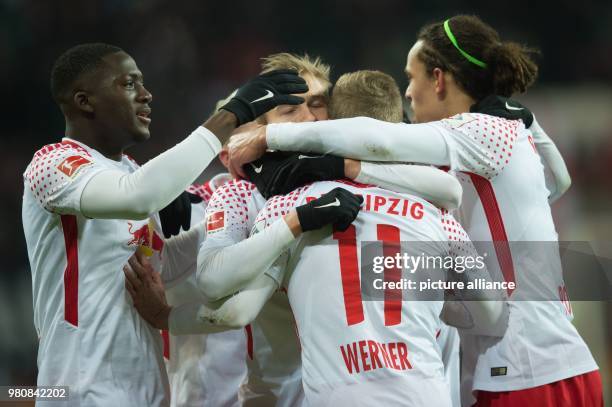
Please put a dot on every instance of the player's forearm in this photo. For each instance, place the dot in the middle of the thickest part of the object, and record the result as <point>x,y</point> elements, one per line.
<point>221,124</point>
<point>117,195</point>
<point>552,160</point>
<point>427,182</point>
<point>180,253</point>
<point>487,309</point>
<point>235,312</point>
<point>186,319</point>
<point>363,139</point>
<point>223,271</point>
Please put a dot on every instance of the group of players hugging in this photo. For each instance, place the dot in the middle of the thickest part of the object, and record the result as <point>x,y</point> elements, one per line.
<point>255,278</point>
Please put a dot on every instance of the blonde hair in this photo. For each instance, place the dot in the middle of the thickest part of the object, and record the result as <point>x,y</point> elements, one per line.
<point>366,93</point>
<point>301,63</point>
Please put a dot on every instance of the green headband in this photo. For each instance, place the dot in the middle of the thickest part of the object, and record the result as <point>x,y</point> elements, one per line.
<point>467,56</point>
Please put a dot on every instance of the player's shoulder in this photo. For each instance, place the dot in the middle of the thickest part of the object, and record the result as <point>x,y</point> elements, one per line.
<point>67,157</point>
<point>479,125</point>
<point>206,189</point>
<point>232,194</point>
<point>64,147</point>
<point>236,186</point>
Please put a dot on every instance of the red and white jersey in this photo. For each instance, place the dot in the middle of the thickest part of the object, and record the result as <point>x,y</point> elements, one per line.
<point>91,337</point>
<point>505,200</point>
<point>273,354</point>
<point>357,351</point>
<point>205,369</point>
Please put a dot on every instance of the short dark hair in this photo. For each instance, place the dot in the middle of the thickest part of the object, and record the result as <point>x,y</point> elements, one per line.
<point>75,62</point>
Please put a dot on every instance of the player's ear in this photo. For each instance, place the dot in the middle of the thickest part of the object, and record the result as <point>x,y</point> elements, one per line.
<point>82,101</point>
<point>439,81</point>
<point>224,157</point>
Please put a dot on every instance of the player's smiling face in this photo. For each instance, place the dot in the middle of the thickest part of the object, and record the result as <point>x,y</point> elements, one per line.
<point>313,109</point>
<point>121,101</point>
<point>424,100</point>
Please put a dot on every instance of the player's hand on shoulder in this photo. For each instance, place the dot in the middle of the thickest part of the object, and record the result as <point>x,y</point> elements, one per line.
<point>338,207</point>
<point>146,288</point>
<point>278,173</point>
<point>264,92</point>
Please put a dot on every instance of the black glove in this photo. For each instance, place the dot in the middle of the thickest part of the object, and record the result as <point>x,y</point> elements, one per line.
<point>177,214</point>
<point>279,173</point>
<point>338,207</point>
<point>503,107</point>
<point>265,92</point>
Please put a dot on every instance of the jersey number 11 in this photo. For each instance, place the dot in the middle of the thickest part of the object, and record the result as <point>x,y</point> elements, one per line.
<point>349,272</point>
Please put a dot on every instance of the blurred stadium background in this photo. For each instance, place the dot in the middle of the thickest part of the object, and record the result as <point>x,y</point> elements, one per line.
<point>194,52</point>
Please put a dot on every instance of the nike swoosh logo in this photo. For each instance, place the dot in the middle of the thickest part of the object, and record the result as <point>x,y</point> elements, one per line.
<point>300,157</point>
<point>335,203</point>
<point>268,95</point>
<point>257,169</point>
<point>512,107</point>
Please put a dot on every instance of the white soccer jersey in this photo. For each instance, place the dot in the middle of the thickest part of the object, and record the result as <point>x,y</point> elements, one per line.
<point>273,354</point>
<point>205,369</point>
<point>356,351</point>
<point>91,337</point>
<point>505,200</point>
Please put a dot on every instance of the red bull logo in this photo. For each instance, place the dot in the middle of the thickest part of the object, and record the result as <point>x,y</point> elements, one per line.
<point>143,237</point>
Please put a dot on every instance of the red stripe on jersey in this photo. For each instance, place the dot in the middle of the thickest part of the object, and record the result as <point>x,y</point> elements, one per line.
<point>349,273</point>
<point>390,236</point>
<point>496,226</point>
<point>166,339</point>
<point>249,334</point>
<point>71,274</point>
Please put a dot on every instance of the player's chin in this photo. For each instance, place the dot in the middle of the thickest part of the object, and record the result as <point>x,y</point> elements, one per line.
<point>141,134</point>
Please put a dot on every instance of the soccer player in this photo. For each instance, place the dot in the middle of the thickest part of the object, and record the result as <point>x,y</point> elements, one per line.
<point>272,352</point>
<point>87,208</point>
<point>456,68</point>
<point>204,369</point>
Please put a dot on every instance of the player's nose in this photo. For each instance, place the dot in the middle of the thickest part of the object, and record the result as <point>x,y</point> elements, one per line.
<point>145,96</point>
<point>407,94</point>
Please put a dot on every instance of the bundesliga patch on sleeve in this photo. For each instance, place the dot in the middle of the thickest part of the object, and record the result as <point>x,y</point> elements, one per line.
<point>215,222</point>
<point>499,371</point>
<point>71,165</point>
